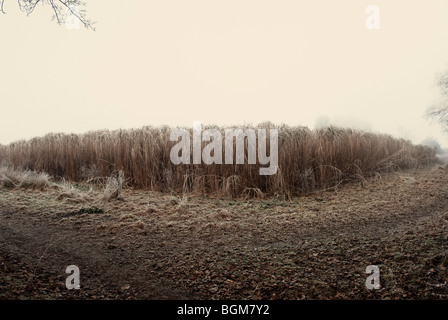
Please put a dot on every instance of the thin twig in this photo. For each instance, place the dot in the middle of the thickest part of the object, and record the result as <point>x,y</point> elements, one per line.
<point>40,258</point>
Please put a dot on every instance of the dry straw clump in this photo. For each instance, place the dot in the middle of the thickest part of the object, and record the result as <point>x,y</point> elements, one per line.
<point>26,179</point>
<point>114,186</point>
<point>308,160</point>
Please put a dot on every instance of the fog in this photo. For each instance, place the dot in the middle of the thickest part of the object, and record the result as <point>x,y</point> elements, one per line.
<point>227,62</point>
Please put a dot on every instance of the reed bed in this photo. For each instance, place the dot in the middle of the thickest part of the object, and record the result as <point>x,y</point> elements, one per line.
<point>309,160</point>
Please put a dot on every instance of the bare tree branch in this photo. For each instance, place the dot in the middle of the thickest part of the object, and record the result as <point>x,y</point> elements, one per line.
<point>55,9</point>
<point>63,10</point>
<point>28,6</point>
<point>87,23</point>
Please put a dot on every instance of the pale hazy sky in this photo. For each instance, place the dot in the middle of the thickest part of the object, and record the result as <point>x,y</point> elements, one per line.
<point>223,62</point>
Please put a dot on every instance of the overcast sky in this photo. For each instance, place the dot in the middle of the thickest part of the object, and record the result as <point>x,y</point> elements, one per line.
<point>223,62</point>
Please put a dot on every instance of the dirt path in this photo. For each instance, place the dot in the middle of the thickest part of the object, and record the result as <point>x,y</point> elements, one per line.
<point>153,246</point>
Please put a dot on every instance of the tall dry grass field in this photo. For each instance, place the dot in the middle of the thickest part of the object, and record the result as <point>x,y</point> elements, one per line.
<point>308,160</point>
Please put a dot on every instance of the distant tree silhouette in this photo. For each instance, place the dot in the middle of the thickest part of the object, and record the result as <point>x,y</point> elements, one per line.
<point>63,10</point>
<point>439,110</point>
<point>432,142</point>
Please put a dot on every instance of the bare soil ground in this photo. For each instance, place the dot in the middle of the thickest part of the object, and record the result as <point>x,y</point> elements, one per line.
<point>156,246</point>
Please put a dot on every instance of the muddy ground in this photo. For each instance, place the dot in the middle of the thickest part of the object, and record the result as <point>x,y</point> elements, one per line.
<point>158,246</point>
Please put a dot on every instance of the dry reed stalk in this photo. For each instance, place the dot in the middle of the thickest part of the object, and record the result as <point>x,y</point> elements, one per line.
<point>309,160</point>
